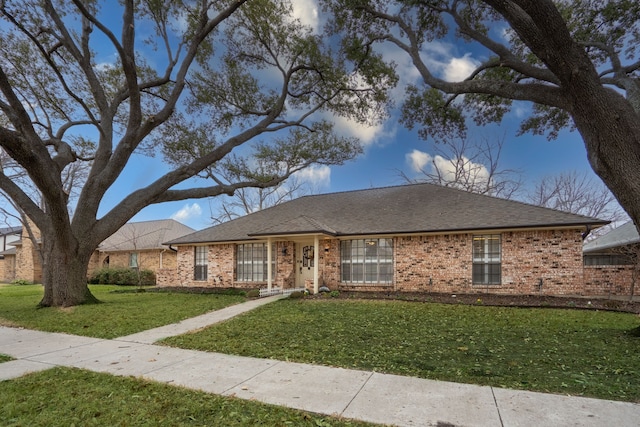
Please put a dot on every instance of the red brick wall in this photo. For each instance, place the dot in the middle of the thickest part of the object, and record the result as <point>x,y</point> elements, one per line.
<point>221,268</point>
<point>431,263</point>
<point>443,263</point>
<point>609,279</point>
<point>555,256</point>
<point>285,265</point>
<point>329,263</point>
<point>166,277</point>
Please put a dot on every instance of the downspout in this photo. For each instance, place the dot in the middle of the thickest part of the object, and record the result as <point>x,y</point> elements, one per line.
<point>161,252</point>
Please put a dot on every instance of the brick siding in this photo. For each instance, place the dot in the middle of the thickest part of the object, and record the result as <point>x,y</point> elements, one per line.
<point>542,262</point>
<point>610,279</point>
<point>547,262</point>
<point>221,268</point>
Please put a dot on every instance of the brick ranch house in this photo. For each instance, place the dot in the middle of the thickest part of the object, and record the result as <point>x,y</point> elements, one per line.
<point>140,245</point>
<point>134,245</point>
<point>418,237</point>
<point>612,262</point>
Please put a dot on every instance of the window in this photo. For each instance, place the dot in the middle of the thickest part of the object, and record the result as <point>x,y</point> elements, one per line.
<point>251,262</point>
<point>133,260</point>
<point>608,259</point>
<point>366,261</point>
<point>307,256</point>
<point>486,260</point>
<point>201,254</point>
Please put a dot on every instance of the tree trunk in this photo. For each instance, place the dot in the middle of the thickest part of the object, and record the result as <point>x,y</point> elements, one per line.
<point>611,132</point>
<point>64,275</point>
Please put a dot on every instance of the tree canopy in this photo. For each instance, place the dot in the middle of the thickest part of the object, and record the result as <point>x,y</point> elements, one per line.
<point>575,60</point>
<point>206,85</point>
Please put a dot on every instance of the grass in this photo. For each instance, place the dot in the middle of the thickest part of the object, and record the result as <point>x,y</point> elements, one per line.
<point>577,352</point>
<point>120,314</point>
<point>5,358</point>
<point>84,398</point>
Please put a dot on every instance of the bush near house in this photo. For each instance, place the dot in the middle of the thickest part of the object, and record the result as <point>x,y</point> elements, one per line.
<point>123,276</point>
<point>21,282</point>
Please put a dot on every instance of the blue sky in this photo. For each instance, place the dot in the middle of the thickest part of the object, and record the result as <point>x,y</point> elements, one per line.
<point>379,165</point>
<point>387,147</point>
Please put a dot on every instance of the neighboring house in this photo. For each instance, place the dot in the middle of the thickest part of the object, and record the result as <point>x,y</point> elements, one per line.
<point>8,235</point>
<point>419,237</point>
<point>135,245</point>
<point>23,261</point>
<point>139,245</point>
<point>611,261</point>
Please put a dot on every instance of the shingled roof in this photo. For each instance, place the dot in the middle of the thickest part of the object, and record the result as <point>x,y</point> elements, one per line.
<point>626,234</point>
<point>144,235</point>
<point>406,209</point>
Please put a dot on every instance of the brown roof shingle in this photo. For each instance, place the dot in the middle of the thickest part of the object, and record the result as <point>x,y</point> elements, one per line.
<point>415,208</point>
<point>144,235</point>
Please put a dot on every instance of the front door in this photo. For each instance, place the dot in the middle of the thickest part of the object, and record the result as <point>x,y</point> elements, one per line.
<point>304,263</point>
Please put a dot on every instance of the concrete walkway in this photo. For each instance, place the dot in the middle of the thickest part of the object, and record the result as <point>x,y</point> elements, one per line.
<point>368,396</point>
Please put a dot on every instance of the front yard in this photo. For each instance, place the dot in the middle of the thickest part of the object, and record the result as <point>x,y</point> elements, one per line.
<point>124,311</point>
<point>579,352</point>
<point>73,397</point>
<point>63,396</point>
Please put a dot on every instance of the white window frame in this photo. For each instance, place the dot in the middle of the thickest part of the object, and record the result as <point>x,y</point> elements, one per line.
<point>364,261</point>
<point>134,260</point>
<point>251,262</point>
<point>200,263</point>
<point>487,258</point>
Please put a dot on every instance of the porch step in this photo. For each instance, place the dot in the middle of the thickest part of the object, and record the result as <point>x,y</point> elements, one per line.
<point>279,291</point>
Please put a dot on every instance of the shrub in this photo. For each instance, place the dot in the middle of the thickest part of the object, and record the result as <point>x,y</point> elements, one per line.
<point>296,295</point>
<point>123,276</point>
<point>335,294</point>
<point>253,293</point>
<point>21,282</point>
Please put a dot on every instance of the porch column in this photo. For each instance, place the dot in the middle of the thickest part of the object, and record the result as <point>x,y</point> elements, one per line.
<point>316,257</point>
<point>269,269</point>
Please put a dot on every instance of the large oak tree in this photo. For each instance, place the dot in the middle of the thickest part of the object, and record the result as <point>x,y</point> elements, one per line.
<point>575,60</point>
<point>193,82</point>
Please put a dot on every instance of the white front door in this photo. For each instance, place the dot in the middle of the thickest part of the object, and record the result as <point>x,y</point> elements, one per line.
<point>304,263</point>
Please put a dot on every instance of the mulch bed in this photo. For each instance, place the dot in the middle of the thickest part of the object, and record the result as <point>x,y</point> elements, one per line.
<point>621,304</point>
<point>596,303</point>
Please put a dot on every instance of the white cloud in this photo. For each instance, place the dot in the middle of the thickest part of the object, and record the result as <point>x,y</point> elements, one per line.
<point>418,160</point>
<point>317,175</point>
<point>306,11</point>
<point>459,69</point>
<point>449,171</point>
<point>367,134</point>
<point>477,173</point>
<point>187,212</point>
<point>441,59</point>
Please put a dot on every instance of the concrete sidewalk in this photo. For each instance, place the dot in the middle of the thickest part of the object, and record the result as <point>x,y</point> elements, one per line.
<point>368,396</point>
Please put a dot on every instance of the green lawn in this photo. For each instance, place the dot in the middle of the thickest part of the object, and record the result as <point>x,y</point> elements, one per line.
<point>575,352</point>
<point>122,313</point>
<point>73,397</point>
